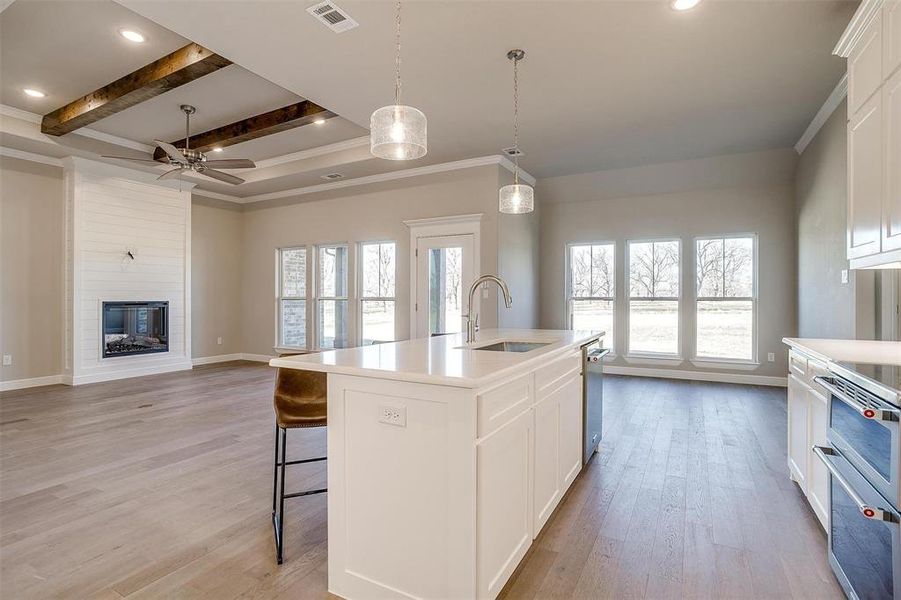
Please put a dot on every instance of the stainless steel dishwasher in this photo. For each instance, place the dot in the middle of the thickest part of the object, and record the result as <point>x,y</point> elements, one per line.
<point>592,398</point>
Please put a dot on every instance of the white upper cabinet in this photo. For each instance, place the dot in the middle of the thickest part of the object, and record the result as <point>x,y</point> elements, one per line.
<point>865,66</point>
<point>872,45</point>
<point>891,37</point>
<point>865,179</point>
<point>891,205</point>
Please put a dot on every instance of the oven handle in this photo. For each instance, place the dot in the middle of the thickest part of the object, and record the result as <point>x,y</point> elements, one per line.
<point>883,413</point>
<point>870,512</point>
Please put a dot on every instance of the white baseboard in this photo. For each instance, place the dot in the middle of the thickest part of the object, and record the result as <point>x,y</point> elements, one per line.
<point>257,357</point>
<point>697,375</point>
<point>208,360</point>
<point>168,367</point>
<point>21,384</point>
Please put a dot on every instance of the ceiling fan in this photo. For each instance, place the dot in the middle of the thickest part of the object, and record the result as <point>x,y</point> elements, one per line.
<point>186,159</point>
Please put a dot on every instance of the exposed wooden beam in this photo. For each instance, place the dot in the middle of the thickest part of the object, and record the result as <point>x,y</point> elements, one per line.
<point>275,121</point>
<point>167,73</point>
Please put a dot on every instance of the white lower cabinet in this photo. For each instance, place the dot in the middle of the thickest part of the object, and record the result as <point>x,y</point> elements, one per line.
<point>797,431</point>
<point>503,502</point>
<point>817,474</point>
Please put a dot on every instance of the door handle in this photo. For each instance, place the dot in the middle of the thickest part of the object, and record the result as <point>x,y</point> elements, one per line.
<point>870,512</point>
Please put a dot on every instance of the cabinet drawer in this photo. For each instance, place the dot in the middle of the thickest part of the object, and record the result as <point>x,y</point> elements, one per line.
<point>499,405</point>
<point>550,376</point>
<point>797,364</point>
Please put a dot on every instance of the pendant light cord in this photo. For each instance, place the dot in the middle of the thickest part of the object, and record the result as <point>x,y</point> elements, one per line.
<point>397,56</point>
<point>516,120</point>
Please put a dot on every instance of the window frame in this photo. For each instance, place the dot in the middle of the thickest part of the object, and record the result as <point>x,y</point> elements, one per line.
<point>627,272</point>
<point>280,297</point>
<point>569,301</point>
<point>313,312</point>
<point>700,358</point>
<point>363,298</point>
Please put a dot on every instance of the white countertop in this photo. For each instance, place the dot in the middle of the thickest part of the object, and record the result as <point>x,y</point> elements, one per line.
<point>443,360</point>
<point>855,351</point>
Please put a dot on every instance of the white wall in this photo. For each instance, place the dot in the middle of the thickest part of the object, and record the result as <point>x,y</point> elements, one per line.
<point>749,193</point>
<point>108,210</point>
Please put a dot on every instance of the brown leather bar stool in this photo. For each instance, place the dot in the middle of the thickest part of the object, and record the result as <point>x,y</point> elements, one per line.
<point>300,402</point>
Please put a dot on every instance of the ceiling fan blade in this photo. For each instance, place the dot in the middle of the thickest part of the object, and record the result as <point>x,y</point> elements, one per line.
<point>146,160</point>
<point>171,151</point>
<point>170,174</point>
<point>231,163</point>
<point>214,174</point>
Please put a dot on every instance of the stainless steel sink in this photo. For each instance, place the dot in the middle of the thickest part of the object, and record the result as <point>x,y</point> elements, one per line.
<point>512,346</point>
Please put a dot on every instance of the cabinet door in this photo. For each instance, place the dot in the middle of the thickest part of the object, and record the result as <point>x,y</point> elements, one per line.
<point>504,529</point>
<point>865,66</point>
<point>797,431</point>
<point>570,431</point>
<point>546,476</point>
<point>891,164</point>
<point>817,474</point>
<point>891,37</point>
<point>865,179</point>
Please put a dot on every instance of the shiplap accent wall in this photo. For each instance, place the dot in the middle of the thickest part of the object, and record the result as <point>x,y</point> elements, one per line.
<point>109,210</point>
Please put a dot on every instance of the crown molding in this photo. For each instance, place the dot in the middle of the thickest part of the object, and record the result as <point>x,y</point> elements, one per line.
<point>18,113</point>
<point>31,156</point>
<point>859,21</point>
<point>451,220</point>
<point>313,152</point>
<point>217,195</point>
<point>835,98</point>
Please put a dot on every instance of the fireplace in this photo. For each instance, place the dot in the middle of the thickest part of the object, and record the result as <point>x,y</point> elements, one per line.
<point>131,328</point>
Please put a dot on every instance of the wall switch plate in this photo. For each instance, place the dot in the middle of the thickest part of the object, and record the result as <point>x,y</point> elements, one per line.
<point>393,414</point>
<point>7,360</point>
<point>844,275</point>
<point>771,357</point>
<point>219,340</point>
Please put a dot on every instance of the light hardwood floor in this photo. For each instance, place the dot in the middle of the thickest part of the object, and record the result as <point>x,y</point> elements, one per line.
<point>160,487</point>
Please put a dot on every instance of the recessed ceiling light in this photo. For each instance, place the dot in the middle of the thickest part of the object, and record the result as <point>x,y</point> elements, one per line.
<point>684,4</point>
<point>132,36</point>
<point>319,121</point>
<point>217,149</point>
<point>34,93</point>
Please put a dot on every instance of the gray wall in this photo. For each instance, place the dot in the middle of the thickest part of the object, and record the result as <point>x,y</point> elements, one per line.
<point>754,198</point>
<point>825,304</point>
<point>32,211</point>
<point>518,264</point>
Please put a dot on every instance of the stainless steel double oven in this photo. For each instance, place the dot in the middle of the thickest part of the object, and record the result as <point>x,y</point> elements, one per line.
<point>864,461</point>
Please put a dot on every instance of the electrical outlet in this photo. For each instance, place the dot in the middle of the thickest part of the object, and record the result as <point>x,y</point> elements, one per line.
<point>219,340</point>
<point>844,275</point>
<point>393,414</point>
<point>7,360</point>
<point>771,357</point>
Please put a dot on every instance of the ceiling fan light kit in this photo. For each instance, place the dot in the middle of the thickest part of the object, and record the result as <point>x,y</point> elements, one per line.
<point>398,132</point>
<point>187,159</point>
<point>516,198</point>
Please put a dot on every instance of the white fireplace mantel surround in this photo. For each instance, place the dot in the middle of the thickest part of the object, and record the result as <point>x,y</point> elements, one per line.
<point>110,210</point>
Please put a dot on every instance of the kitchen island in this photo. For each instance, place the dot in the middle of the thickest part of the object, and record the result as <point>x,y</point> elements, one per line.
<point>445,459</point>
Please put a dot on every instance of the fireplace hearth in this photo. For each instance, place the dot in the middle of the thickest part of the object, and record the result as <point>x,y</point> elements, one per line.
<point>131,328</point>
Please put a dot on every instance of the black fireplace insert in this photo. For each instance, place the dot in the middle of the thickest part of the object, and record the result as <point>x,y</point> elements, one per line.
<point>135,328</point>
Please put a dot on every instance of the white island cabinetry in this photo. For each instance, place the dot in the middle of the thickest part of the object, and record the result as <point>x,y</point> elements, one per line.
<point>444,460</point>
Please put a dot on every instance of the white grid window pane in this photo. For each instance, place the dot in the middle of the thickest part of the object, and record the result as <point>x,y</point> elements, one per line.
<point>332,272</point>
<point>591,271</point>
<point>593,315</point>
<point>294,272</point>
<point>293,323</point>
<point>332,324</point>
<point>378,321</point>
<point>654,269</point>
<point>725,329</point>
<point>654,326</point>
<point>378,270</point>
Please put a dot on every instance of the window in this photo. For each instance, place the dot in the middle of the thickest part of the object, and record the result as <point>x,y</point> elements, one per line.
<point>377,299</point>
<point>726,292</point>
<point>331,296</point>
<point>292,297</point>
<point>592,287</point>
<point>654,297</point>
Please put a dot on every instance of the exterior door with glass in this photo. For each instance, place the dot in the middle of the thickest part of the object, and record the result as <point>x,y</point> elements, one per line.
<point>444,272</point>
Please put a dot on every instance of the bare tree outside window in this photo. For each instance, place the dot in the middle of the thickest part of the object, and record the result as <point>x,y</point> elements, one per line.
<point>331,296</point>
<point>726,297</point>
<point>654,297</point>
<point>377,301</point>
<point>591,287</point>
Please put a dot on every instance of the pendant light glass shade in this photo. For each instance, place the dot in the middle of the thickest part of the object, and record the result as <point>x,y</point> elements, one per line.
<point>517,199</point>
<point>397,132</point>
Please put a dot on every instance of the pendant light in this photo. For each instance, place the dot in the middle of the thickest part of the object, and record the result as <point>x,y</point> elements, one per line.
<point>397,132</point>
<point>516,198</point>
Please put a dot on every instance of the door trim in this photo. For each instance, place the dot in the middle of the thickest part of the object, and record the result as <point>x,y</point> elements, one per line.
<point>470,224</point>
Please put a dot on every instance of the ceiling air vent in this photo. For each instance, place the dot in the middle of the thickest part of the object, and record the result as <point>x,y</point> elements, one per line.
<point>332,176</point>
<point>332,17</point>
<point>513,152</point>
